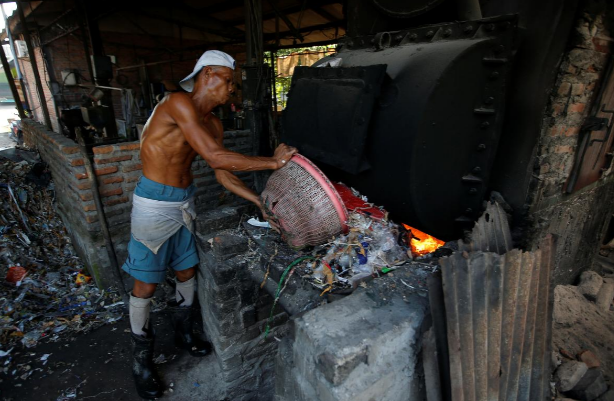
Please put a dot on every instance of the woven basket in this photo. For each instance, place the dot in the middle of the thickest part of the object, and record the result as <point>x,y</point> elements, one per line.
<point>304,203</point>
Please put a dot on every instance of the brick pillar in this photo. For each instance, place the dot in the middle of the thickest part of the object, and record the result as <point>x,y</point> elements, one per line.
<point>235,311</point>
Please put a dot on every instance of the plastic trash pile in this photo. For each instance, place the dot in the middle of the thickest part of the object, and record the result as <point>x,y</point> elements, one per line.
<point>370,248</point>
<point>45,293</point>
<point>373,246</point>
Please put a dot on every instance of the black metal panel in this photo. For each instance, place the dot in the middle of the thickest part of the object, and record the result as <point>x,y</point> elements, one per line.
<point>434,131</point>
<point>328,113</point>
<point>546,28</point>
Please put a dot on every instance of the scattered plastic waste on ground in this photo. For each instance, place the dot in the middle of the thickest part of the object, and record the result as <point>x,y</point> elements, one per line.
<point>45,292</point>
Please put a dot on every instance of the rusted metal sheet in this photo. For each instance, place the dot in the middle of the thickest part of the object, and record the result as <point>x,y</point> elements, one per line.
<point>491,232</point>
<point>499,314</point>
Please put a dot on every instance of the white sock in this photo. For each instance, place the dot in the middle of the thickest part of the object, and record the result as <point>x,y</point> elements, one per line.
<point>139,315</point>
<point>184,292</point>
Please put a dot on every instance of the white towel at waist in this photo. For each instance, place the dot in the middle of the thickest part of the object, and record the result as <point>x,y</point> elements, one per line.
<point>154,221</point>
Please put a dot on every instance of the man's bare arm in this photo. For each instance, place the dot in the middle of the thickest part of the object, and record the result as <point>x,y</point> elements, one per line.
<point>183,112</point>
<point>235,185</point>
<point>227,179</point>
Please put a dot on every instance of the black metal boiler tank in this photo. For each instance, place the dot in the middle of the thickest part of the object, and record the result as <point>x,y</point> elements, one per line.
<point>409,118</point>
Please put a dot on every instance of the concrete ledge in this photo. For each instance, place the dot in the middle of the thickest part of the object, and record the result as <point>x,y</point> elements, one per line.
<point>355,349</point>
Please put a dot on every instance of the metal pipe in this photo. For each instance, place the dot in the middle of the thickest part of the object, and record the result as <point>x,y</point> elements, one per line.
<point>101,87</point>
<point>468,10</point>
<point>37,78</point>
<point>85,32</point>
<point>273,81</point>
<point>131,67</point>
<point>9,77</point>
<point>249,44</point>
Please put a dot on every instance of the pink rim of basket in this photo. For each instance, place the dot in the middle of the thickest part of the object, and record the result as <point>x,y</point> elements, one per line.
<point>326,185</point>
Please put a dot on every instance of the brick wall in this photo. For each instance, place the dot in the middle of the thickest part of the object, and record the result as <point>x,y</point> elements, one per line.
<point>235,312</point>
<point>117,168</point>
<point>578,219</point>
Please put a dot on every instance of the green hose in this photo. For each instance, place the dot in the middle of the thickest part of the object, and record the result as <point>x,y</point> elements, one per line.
<point>279,287</point>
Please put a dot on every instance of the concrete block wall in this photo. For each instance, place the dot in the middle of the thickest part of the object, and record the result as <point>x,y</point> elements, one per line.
<point>578,218</point>
<point>118,168</point>
<point>235,311</point>
<point>354,349</point>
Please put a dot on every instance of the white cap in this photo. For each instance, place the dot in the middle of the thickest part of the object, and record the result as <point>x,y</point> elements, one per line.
<point>209,58</point>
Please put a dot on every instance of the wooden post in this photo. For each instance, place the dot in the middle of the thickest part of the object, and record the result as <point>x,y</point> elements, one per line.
<point>9,76</point>
<point>37,77</point>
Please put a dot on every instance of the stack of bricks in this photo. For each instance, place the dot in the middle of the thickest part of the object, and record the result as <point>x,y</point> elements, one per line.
<point>118,168</point>
<point>235,312</point>
<point>578,219</point>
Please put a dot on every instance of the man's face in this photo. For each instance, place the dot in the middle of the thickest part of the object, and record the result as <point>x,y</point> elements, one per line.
<point>219,83</point>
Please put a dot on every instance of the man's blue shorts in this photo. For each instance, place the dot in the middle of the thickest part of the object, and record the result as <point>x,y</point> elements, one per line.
<point>178,252</point>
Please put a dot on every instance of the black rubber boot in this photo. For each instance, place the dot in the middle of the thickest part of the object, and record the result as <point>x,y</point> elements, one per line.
<point>184,336</point>
<point>146,379</point>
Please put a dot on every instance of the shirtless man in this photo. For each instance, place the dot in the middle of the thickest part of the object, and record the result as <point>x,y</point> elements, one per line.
<point>180,128</point>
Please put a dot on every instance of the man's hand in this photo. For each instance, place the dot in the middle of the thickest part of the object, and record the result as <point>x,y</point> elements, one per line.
<point>282,154</point>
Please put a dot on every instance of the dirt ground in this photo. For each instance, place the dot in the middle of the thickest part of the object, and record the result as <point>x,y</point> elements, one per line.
<point>97,366</point>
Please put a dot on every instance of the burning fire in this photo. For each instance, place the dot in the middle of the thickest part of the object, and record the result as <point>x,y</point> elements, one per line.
<point>422,243</point>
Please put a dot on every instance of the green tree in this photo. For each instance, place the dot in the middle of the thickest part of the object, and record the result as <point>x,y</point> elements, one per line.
<point>282,84</point>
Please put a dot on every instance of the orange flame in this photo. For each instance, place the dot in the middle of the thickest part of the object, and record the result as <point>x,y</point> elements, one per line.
<point>421,243</point>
